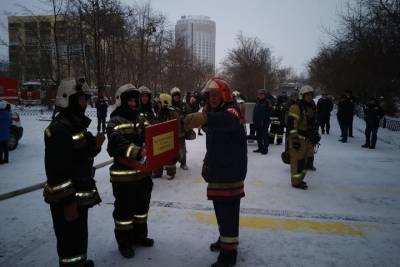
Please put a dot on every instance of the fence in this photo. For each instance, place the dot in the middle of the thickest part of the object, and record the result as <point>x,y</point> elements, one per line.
<point>90,112</point>
<point>390,123</point>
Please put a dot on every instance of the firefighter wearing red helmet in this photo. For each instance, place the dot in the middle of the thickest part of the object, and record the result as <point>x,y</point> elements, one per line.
<point>70,188</point>
<point>225,164</point>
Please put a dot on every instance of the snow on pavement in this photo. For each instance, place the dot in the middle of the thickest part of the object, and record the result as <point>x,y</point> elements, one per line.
<point>348,217</point>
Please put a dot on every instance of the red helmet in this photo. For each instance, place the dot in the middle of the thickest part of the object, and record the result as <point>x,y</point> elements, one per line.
<point>220,85</point>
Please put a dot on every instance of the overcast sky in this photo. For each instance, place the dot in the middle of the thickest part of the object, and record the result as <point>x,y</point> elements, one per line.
<point>293,29</point>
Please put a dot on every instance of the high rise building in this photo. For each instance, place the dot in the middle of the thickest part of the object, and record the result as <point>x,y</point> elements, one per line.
<point>198,34</point>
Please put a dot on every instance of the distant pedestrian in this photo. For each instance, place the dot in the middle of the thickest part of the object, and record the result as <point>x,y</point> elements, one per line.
<point>344,116</point>
<point>261,119</point>
<point>324,108</point>
<point>351,103</point>
<point>101,107</point>
<point>373,115</point>
<point>5,124</point>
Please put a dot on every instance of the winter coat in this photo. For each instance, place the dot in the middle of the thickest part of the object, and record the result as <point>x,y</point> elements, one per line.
<point>181,111</point>
<point>148,112</point>
<point>101,107</point>
<point>345,111</point>
<point>373,114</point>
<point>324,107</point>
<point>126,137</point>
<point>5,124</point>
<point>262,113</point>
<point>225,162</point>
<point>69,153</point>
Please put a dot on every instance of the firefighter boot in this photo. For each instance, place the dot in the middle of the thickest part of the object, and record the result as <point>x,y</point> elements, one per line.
<point>301,186</point>
<point>145,242</point>
<point>89,263</point>
<point>310,165</point>
<point>222,264</point>
<point>216,246</point>
<point>127,252</point>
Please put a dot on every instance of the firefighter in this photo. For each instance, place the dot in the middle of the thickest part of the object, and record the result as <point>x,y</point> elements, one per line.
<point>302,136</point>
<point>146,107</point>
<point>180,109</point>
<point>131,186</point>
<point>70,188</point>
<point>167,112</point>
<point>373,115</point>
<point>225,164</point>
<point>277,124</point>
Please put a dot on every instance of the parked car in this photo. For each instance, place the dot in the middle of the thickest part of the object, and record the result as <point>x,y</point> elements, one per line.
<point>16,130</point>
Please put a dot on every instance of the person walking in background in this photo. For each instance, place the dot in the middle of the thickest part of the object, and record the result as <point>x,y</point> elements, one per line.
<point>101,108</point>
<point>261,119</point>
<point>350,111</point>
<point>5,124</point>
<point>324,108</point>
<point>373,115</point>
<point>344,116</point>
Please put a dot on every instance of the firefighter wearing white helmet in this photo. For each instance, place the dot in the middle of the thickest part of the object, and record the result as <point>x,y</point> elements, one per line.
<point>302,135</point>
<point>131,187</point>
<point>146,107</point>
<point>70,188</point>
<point>181,110</point>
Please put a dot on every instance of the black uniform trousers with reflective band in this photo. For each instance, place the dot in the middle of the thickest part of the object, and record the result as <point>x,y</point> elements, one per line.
<point>132,200</point>
<point>227,213</point>
<point>262,136</point>
<point>276,129</point>
<point>72,237</point>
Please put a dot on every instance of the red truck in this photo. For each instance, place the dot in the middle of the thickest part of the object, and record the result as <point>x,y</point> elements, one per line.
<point>31,93</point>
<point>9,89</point>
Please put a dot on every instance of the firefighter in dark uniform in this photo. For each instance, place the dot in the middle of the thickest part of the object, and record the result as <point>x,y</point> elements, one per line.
<point>302,136</point>
<point>146,107</point>
<point>166,113</point>
<point>181,111</point>
<point>225,164</point>
<point>131,187</point>
<point>70,189</point>
<point>373,115</point>
<point>277,123</point>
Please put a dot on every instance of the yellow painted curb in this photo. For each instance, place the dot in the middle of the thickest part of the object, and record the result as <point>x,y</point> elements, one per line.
<point>294,225</point>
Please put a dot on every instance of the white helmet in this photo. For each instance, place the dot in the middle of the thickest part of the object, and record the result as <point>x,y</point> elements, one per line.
<point>69,87</point>
<point>304,90</point>
<point>123,89</point>
<point>175,91</point>
<point>236,93</point>
<point>144,90</point>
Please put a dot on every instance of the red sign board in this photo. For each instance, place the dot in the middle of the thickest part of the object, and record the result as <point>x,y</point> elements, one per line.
<point>162,144</point>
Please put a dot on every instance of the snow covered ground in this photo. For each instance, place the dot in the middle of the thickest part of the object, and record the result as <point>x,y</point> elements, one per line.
<point>350,216</point>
